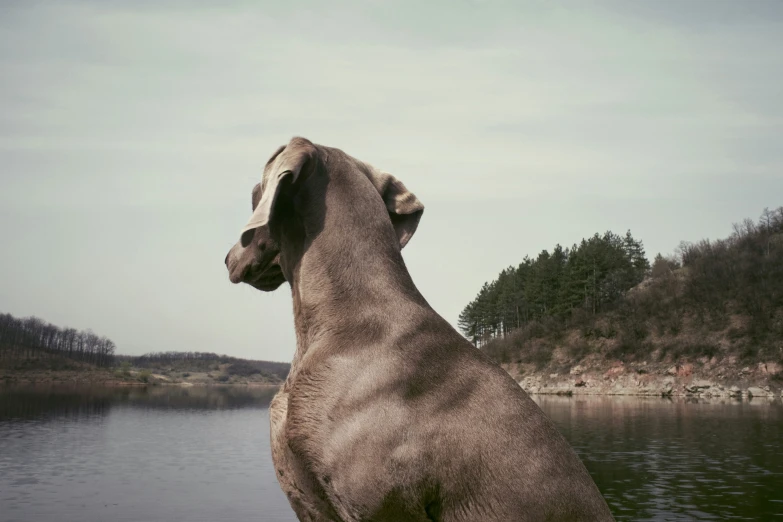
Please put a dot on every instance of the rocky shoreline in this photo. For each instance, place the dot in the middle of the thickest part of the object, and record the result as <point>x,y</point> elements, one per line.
<point>764,381</point>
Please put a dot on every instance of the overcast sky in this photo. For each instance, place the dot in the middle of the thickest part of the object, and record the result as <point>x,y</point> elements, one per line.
<point>131,134</point>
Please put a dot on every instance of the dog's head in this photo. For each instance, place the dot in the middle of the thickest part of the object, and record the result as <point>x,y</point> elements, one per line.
<point>290,202</point>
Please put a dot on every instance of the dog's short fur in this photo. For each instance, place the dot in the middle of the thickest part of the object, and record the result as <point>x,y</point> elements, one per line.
<point>388,414</point>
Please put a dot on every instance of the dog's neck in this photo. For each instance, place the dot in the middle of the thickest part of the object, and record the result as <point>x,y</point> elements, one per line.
<point>350,286</point>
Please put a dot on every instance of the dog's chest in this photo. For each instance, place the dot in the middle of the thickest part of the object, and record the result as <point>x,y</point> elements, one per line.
<point>293,467</point>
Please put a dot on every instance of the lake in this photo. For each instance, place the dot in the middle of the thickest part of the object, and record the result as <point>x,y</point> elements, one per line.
<point>202,454</point>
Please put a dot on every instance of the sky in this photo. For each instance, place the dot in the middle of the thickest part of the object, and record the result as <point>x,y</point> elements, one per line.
<point>132,132</point>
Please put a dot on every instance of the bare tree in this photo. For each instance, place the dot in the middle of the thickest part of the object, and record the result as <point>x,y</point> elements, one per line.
<point>32,337</point>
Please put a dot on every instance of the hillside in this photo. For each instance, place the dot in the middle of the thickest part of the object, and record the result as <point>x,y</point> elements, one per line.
<point>205,368</point>
<point>32,350</point>
<point>709,321</point>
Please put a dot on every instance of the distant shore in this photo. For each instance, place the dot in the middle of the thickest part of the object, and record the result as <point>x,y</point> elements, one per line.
<point>105,377</point>
<point>761,382</point>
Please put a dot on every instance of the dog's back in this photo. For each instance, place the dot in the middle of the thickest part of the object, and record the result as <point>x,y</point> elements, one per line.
<point>425,427</point>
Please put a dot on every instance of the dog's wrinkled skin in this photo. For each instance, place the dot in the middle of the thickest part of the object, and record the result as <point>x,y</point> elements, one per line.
<point>388,414</point>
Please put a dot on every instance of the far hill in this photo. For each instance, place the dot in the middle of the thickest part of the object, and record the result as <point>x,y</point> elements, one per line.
<point>206,367</point>
<point>32,350</point>
<point>600,316</point>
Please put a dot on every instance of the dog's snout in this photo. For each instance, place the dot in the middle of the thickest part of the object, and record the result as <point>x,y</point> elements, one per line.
<point>227,258</point>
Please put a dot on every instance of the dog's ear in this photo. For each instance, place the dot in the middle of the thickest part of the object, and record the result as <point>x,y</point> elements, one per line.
<point>255,197</point>
<point>287,161</point>
<point>404,207</point>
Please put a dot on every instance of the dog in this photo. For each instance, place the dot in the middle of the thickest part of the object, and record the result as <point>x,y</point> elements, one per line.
<point>388,413</point>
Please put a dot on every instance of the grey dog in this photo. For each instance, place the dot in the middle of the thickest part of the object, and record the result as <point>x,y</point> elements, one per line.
<point>388,413</point>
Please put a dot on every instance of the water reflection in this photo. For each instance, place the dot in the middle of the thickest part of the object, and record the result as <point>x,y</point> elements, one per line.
<point>137,454</point>
<point>202,454</point>
<point>74,401</point>
<point>657,459</point>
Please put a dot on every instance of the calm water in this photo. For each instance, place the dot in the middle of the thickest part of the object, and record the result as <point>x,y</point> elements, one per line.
<point>202,454</point>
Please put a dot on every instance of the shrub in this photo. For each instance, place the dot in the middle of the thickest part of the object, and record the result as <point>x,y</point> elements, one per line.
<point>749,351</point>
<point>144,375</point>
<point>539,354</point>
<point>611,331</point>
<point>223,378</point>
<point>735,333</point>
<point>674,323</point>
<point>579,351</point>
<point>242,368</point>
<point>535,329</point>
<point>689,350</point>
<point>718,320</point>
<point>629,348</point>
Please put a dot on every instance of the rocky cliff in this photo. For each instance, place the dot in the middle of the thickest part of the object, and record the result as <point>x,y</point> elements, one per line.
<point>702,378</point>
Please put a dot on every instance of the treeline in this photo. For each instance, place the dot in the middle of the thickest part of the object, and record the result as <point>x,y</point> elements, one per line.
<point>740,275</point>
<point>206,361</point>
<point>713,298</point>
<point>31,337</point>
<point>588,276</point>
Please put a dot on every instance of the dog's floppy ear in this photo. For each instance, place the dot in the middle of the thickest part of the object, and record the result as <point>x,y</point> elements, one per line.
<point>404,207</point>
<point>288,161</point>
